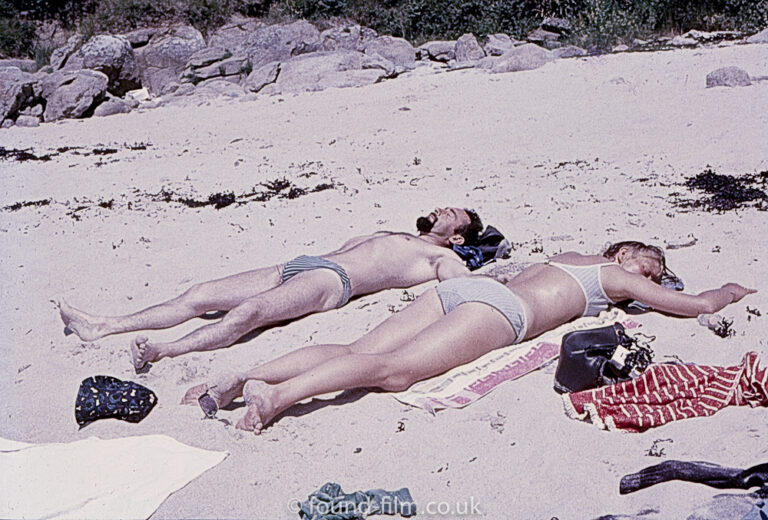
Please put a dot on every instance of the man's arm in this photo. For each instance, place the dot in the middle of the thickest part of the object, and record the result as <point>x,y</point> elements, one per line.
<point>450,268</point>
<point>667,300</point>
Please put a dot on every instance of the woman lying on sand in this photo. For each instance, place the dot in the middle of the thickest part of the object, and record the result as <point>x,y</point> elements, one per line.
<point>458,321</point>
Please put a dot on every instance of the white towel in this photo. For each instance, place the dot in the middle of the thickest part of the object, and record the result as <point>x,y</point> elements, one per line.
<point>95,478</point>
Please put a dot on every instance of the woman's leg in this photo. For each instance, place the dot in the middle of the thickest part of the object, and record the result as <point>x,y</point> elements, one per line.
<point>387,336</point>
<point>216,295</point>
<point>465,334</point>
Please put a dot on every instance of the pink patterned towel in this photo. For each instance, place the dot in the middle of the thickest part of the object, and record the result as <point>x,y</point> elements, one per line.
<point>668,392</point>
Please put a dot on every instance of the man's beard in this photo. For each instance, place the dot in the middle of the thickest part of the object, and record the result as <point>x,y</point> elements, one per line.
<point>424,225</point>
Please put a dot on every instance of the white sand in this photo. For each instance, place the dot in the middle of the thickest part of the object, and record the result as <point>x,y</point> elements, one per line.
<point>553,157</point>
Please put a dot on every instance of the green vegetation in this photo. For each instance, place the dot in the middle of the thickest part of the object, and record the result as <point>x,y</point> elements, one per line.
<point>597,24</point>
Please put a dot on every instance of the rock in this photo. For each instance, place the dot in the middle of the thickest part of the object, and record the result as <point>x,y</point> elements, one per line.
<point>215,62</point>
<point>184,90</point>
<point>569,51</point>
<point>442,51</point>
<point>396,50</point>
<point>166,55</point>
<point>467,48</point>
<point>72,94</point>
<point>541,36</point>
<point>17,89</point>
<point>28,121</point>
<point>112,55</point>
<point>557,25</point>
<point>35,110</point>
<point>682,41</point>
<point>525,57</point>
<point>262,76</point>
<point>208,56</point>
<point>761,37</point>
<point>714,36</point>
<point>620,48</point>
<point>728,77</point>
<point>7,123</point>
<point>280,42</point>
<point>141,94</point>
<point>140,37</point>
<point>232,36</point>
<point>60,56</point>
<point>218,87</point>
<point>351,37</point>
<point>22,65</point>
<point>375,61</point>
<point>112,105</point>
<point>498,44</point>
<point>323,70</point>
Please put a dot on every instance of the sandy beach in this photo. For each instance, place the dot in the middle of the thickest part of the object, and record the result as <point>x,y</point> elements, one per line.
<point>570,156</point>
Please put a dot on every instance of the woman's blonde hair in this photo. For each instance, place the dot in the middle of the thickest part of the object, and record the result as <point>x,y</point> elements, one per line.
<point>642,249</point>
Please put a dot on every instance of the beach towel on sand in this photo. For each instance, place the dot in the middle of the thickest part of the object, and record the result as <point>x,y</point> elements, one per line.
<point>94,478</point>
<point>467,383</point>
<point>669,392</point>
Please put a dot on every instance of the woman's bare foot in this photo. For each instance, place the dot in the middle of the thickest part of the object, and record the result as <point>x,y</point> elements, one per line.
<point>224,389</point>
<point>86,326</point>
<point>261,409</point>
<point>142,352</point>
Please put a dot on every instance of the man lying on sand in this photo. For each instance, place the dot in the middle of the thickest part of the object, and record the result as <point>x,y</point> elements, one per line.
<point>304,285</point>
<point>458,321</point>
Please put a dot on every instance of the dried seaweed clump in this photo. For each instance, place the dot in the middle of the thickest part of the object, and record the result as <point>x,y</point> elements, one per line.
<point>727,192</point>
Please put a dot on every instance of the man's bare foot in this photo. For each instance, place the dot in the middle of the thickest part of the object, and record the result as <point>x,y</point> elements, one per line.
<point>86,326</point>
<point>142,352</point>
<point>261,409</point>
<point>223,389</point>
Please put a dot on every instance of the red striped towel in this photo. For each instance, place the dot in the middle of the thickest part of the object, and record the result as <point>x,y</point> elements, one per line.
<point>668,392</point>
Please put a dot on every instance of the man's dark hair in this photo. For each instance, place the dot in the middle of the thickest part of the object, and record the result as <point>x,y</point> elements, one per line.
<point>470,231</point>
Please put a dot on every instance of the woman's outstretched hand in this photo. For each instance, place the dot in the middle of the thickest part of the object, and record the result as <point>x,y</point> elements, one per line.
<point>737,291</point>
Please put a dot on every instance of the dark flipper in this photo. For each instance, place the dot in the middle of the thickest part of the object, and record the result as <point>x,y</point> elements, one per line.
<point>702,472</point>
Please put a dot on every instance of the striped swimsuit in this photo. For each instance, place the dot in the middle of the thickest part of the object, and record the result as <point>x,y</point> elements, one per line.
<point>305,263</point>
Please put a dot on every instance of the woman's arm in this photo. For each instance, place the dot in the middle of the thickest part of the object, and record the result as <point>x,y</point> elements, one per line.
<point>637,287</point>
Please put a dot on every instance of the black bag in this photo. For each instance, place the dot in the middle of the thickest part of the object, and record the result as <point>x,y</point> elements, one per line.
<point>102,397</point>
<point>596,357</point>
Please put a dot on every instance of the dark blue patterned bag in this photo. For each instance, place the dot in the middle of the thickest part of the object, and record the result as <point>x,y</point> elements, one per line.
<point>103,397</point>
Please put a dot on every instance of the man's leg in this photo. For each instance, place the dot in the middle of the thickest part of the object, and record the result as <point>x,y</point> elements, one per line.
<point>216,295</point>
<point>311,291</point>
<point>386,337</point>
<point>463,335</point>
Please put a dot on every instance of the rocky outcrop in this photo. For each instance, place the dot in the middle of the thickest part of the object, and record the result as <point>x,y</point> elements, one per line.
<point>442,51</point>
<point>72,94</point>
<point>164,58</point>
<point>280,42</point>
<point>16,88</point>
<point>60,56</point>
<point>569,51</point>
<point>317,71</point>
<point>761,37</point>
<point>525,57</point>
<point>396,50</point>
<point>728,77</point>
<point>112,105</point>
<point>468,49</point>
<point>232,36</point>
<point>112,55</point>
<point>21,64</point>
<point>215,63</point>
<point>350,37</point>
<point>498,44</point>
